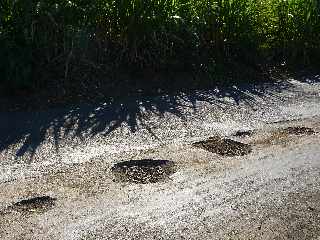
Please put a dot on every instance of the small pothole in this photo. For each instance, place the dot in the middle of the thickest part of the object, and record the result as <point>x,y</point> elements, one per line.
<point>298,131</point>
<point>35,204</point>
<point>143,171</point>
<point>243,133</point>
<point>311,208</point>
<point>224,146</point>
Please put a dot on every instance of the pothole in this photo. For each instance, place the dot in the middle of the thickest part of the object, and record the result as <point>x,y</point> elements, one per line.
<point>224,146</point>
<point>35,204</point>
<point>243,133</point>
<point>298,131</point>
<point>143,171</point>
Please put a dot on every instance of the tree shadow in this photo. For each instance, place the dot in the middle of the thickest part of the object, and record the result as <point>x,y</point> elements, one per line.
<point>30,129</point>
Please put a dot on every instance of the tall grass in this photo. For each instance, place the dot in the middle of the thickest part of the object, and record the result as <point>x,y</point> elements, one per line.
<point>71,40</point>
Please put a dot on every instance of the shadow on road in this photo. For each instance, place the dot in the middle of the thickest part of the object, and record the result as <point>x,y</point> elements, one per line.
<point>32,128</point>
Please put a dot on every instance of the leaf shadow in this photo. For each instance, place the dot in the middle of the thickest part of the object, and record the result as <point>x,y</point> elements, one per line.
<point>28,130</point>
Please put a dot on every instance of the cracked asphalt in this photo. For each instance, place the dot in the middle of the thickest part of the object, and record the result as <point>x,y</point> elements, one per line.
<point>68,154</point>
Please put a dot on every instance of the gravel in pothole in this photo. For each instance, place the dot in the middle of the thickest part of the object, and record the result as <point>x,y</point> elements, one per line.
<point>243,133</point>
<point>298,131</point>
<point>35,204</point>
<point>143,171</point>
<point>224,146</point>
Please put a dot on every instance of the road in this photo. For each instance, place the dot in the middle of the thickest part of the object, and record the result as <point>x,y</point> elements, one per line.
<point>68,154</point>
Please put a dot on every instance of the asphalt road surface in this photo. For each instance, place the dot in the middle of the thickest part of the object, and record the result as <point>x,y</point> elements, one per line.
<point>57,179</point>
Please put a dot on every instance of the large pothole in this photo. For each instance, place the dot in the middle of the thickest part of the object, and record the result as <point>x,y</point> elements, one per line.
<point>143,171</point>
<point>224,146</point>
<point>35,204</point>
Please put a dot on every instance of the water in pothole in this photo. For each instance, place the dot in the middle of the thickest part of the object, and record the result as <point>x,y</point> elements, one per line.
<point>143,171</point>
<point>224,146</point>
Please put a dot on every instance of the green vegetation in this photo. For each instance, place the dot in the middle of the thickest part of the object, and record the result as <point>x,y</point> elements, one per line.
<point>69,43</point>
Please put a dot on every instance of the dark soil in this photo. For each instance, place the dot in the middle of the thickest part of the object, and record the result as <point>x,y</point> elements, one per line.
<point>143,171</point>
<point>225,147</point>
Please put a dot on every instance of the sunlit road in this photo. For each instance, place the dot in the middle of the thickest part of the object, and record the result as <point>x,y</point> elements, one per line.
<point>271,193</point>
